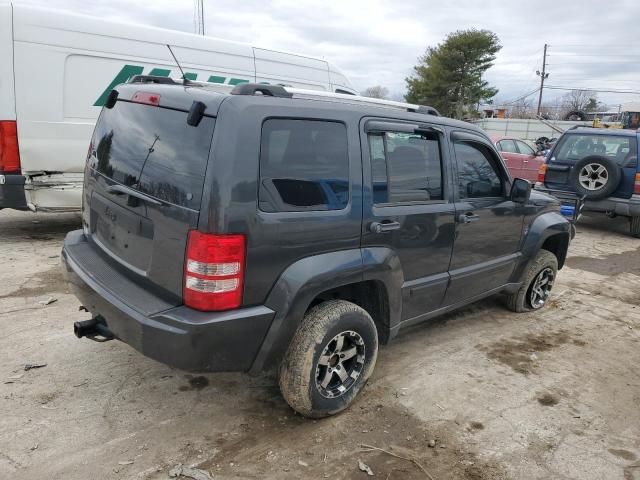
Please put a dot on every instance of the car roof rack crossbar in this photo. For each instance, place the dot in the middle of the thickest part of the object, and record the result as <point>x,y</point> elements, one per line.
<point>264,89</point>
<point>153,79</point>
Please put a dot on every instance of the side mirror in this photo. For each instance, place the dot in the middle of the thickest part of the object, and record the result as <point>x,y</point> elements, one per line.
<point>540,153</point>
<point>520,190</point>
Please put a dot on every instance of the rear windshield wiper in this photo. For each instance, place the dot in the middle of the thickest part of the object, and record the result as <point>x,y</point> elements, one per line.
<point>121,189</point>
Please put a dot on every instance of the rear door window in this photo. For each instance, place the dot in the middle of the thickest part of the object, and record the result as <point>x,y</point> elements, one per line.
<point>153,150</point>
<point>406,167</point>
<point>304,166</point>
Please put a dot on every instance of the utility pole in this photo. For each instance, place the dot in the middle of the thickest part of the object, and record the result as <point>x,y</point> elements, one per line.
<point>198,17</point>
<point>543,76</point>
<point>202,15</point>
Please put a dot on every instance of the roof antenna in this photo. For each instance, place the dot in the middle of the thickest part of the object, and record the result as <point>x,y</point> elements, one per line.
<point>185,80</point>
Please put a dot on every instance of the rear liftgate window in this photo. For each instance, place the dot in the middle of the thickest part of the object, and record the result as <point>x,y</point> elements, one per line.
<point>304,166</point>
<point>574,147</point>
<point>153,150</point>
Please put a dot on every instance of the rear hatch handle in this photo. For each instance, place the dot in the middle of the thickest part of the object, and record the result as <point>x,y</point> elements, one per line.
<point>122,190</point>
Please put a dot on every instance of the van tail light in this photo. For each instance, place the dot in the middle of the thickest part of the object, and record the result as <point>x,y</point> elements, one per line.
<point>9,153</point>
<point>214,271</point>
<point>636,185</point>
<point>542,170</point>
<point>146,98</point>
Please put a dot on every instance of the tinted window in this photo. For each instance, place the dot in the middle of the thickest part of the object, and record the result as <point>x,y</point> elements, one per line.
<point>477,174</point>
<point>574,147</point>
<point>304,165</point>
<point>507,146</point>
<point>153,150</point>
<point>524,148</point>
<point>405,167</point>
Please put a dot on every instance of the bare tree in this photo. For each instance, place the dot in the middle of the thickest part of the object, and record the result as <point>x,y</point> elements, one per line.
<point>522,109</point>
<point>552,109</point>
<point>376,91</point>
<point>578,101</point>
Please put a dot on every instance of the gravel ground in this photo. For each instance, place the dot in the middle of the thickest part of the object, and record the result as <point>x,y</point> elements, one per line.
<point>479,394</point>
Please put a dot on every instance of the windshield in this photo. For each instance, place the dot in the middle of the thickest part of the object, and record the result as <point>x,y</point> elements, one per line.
<point>574,147</point>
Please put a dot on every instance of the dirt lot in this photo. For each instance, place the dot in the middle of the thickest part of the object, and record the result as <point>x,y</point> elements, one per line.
<point>549,395</point>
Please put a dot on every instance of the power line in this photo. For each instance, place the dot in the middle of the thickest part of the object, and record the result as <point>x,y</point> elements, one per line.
<point>581,45</point>
<point>634,55</point>
<point>599,90</point>
<point>511,102</point>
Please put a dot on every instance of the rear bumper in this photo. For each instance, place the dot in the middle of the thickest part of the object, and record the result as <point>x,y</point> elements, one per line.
<point>175,335</point>
<point>12,192</point>
<point>629,207</point>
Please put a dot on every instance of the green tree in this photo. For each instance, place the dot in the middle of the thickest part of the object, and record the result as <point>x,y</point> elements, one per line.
<point>449,75</point>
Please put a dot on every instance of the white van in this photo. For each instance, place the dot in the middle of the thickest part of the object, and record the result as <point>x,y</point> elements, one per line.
<point>57,70</point>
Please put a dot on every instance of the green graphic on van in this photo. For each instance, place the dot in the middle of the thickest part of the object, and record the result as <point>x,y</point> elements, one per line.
<point>129,71</point>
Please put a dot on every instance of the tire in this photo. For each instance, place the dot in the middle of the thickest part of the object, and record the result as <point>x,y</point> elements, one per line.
<point>309,362</point>
<point>595,177</point>
<point>521,301</point>
<point>634,226</point>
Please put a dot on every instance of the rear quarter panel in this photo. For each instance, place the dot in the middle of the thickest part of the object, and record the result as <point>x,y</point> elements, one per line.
<point>276,240</point>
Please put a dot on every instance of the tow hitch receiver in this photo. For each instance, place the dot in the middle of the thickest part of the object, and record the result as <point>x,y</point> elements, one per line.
<point>95,329</point>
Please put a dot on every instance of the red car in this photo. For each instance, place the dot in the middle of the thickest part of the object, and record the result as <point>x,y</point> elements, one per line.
<point>519,157</point>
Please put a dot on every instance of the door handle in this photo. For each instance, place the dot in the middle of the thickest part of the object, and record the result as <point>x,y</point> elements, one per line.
<point>468,217</point>
<point>384,227</point>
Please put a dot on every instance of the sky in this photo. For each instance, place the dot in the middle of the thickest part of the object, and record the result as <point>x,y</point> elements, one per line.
<point>592,44</point>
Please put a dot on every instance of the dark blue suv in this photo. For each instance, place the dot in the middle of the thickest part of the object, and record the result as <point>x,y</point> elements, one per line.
<point>602,166</point>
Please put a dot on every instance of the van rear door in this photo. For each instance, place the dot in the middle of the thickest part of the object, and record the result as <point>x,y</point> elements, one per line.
<point>143,186</point>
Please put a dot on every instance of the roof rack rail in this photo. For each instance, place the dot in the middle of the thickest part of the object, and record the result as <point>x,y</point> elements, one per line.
<point>289,92</point>
<point>356,99</point>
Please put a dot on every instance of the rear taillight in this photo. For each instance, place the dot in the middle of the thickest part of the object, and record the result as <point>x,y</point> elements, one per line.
<point>214,271</point>
<point>9,154</point>
<point>542,170</point>
<point>636,185</point>
<point>146,98</point>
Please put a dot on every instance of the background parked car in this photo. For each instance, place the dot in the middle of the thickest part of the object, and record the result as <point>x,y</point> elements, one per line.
<point>520,157</point>
<point>601,165</point>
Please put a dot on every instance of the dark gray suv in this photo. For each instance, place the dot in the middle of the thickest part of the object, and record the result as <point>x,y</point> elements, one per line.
<point>278,228</point>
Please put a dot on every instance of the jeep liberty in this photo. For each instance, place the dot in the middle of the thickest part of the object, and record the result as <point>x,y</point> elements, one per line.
<point>271,227</point>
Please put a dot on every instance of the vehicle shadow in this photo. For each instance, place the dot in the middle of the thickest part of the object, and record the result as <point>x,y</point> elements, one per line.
<point>16,225</point>
<point>603,224</point>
